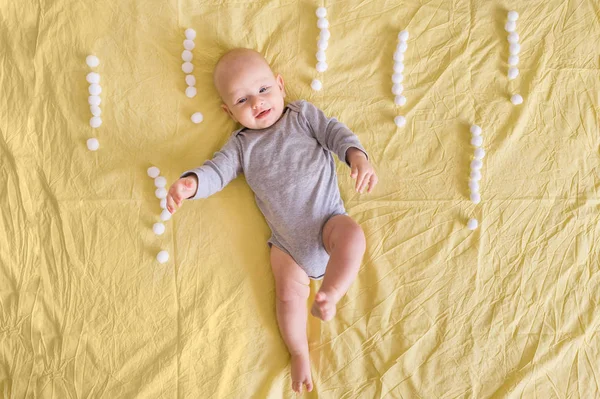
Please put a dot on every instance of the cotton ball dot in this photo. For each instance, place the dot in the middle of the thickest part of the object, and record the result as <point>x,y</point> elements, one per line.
<point>479,153</point>
<point>187,67</point>
<point>95,89</point>
<point>400,121</point>
<point>403,36</point>
<point>516,99</point>
<point>475,130</point>
<point>324,34</point>
<point>93,77</point>
<point>398,67</point>
<point>402,47</point>
<point>515,48</point>
<point>190,91</point>
<point>95,110</point>
<point>398,56</point>
<point>153,171</point>
<point>475,175</point>
<point>474,185</point>
<point>316,84</point>
<point>513,37</point>
<point>94,100</point>
<point>187,56</point>
<point>321,55</point>
<point>197,117</point>
<point>513,60</point>
<point>158,228</point>
<point>510,26</point>
<point>322,44</point>
<point>163,203</point>
<point>323,23</point>
<point>321,12</point>
<point>476,164</point>
<point>189,44</point>
<point>400,100</point>
<point>513,73</point>
<point>162,257</point>
<point>513,15</point>
<point>93,144</point>
<point>397,89</point>
<point>472,224</point>
<point>160,192</point>
<point>95,121</point>
<point>92,61</point>
<point>190,80</point>
<point>477,141</point>
<point>321,66</point>
<point>190,34</point>
<point>397,78</point>
<point>475,198</point>
<point>165,215</point>
<point>160,181</point>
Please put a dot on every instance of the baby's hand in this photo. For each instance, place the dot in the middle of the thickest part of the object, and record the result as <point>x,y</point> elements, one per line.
<point>183,188</point>
<point>362,170</point>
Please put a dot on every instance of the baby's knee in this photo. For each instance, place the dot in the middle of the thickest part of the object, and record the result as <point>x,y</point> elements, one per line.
<point>355,238</point>
<point>290,290</point>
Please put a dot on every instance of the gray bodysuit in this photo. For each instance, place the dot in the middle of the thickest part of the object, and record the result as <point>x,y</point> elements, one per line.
<point>291,171</point>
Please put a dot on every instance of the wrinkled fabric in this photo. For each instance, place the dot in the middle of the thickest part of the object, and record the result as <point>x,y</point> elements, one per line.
<point>509,310</point>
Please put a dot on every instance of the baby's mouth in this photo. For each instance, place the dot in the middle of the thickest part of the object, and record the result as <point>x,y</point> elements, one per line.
<point>263,114</point>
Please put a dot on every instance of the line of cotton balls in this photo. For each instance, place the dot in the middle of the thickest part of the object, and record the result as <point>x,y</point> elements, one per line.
<point>514,49</point>
<point>398,77</point>
<point>94,99</point>
<point>476,165</point>
<point>322,44</point>
<point>161,193</point>
<point>187,67</point>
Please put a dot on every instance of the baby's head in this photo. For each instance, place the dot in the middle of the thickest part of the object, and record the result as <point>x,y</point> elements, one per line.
<point>252,95</point>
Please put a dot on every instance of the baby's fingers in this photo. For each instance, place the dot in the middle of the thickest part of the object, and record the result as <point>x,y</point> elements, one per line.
<point>364,182</point>
<point>372,182</point>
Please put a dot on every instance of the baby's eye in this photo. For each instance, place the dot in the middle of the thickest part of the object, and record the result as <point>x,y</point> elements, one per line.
<point>241,100</point>
<point>263,89</point>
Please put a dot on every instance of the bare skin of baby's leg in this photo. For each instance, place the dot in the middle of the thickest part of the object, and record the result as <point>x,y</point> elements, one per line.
<point>345,242</point>
<point>292,290</point>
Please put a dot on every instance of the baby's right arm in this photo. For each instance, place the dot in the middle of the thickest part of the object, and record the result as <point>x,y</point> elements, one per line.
<point>183,188</point>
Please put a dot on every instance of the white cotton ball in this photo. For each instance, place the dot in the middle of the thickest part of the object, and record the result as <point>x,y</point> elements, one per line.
<point>321,66</point>
<point>400,121</point>
<point>197,117</point>
<point>513,73</point>
<point>95,110</point>
<point>477,141</point>
<point>162,257</point>
<point>322,44</point>
<point>321,55</point>
<point>158,228</point>
<point>190,34</point>
<point>95,121</point>
<point>398,67</point>
<point>316,85</point>
<point>513,15</point>
<point>402,47</point>
<point>397,78</point>
<point>513,60</point>
<point>475,175</point>
<point>92,61</point>
<point>189,44</point>
<point>93,144</point>
<point>94,100</point>
<point>165,215</point>
<point>153,172</point>
<point>324,34</point>
<point>160,181</point>
<point>476,164</point>
<point>479,153</point>
<point>95,89</point>
<point>190,80</point>
<point>93,77</point>
<point>321,12</point>
<point>516,99</point>
<point>187,55</point>
<point>403,36</point>
<point>510,26</point>
<point>400,100</point>
<point>475,130</point>
<point>398,56</point>
<point>160,192</point>
<point>474,186</point>
<point>513,37</point>
<point>515,48</point>
<point>187,67</point>
<point>323,23</point>
<point>397,89</point>
<point>475,198</point>
<point>472,224</point>
<point>163,203</point>
<point>191,91</point>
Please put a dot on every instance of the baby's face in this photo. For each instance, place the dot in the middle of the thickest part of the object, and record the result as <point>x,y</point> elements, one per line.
<point>252,95</point>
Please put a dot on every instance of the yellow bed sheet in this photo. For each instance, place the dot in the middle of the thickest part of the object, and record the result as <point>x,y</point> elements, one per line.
<point>508,310</point>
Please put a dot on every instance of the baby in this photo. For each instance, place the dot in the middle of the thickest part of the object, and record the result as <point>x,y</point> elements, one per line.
<point>284,153</point>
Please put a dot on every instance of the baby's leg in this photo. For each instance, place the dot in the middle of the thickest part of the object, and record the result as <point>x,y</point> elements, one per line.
<point>292,290</point>
<point>345,241</point>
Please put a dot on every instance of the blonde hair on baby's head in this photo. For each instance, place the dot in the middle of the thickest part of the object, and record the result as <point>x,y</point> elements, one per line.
<point>231,57</point>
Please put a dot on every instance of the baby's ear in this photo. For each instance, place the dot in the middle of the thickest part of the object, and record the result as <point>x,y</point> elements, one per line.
<point>227,111</point>
<point>281,84</point>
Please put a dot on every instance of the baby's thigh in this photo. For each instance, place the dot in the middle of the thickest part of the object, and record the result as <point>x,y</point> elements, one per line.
<point>291,282</point>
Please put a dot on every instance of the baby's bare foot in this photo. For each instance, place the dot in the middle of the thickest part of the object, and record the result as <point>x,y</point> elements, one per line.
<point>324,305</point>
<point>301,373</point>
